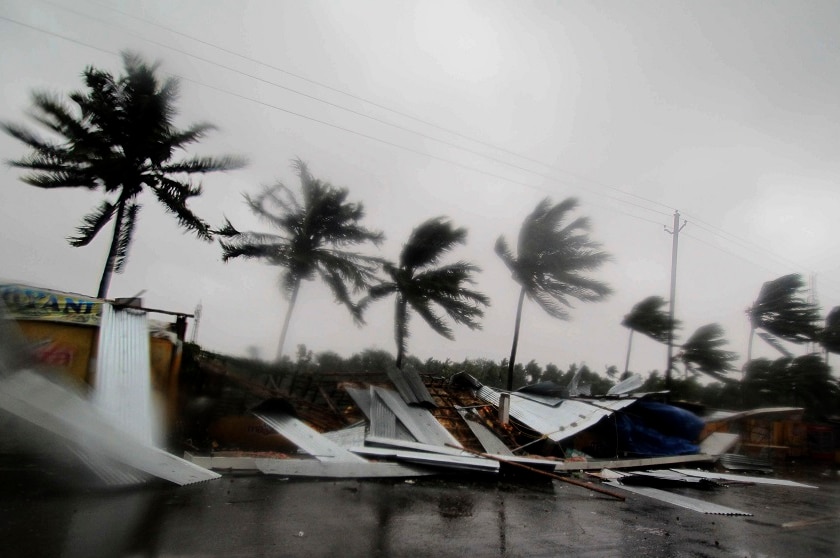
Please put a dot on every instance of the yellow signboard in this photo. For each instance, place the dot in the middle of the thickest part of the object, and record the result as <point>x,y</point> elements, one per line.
<point>30,303</point>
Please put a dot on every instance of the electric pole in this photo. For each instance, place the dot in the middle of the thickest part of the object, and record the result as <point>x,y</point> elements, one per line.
<point>195,325</point>
<point>675,233</point>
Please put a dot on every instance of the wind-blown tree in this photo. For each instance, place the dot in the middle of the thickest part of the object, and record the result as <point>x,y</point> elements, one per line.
<point>781,310</point>
<point>421,285</point>
<point>314,233</point>
<point>802,381</point>
<point>830,335</point>
<point>118,136</point>
<point>648,318</point>
<point>552,262</point>
<point>703,353</point>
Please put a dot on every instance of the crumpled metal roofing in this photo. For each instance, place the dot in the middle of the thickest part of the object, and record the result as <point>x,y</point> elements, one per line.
<point>556,418</point>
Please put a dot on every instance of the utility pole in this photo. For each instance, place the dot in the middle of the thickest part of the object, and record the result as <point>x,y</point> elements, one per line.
<point>195,325</point>
<point>675,232</point>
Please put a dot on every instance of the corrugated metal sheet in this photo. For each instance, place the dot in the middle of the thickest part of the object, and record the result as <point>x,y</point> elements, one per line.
<point>447,461</point>
<point>718,443</point>
<point>737,462</point>
<point>122,384</point>
<point>741,478</point>
<point>631,383</point>
<point>306,438</point>
<point>726,416</point>
<point>678,500</point>
<point>349,437</point>
<point>58,410</point>
<point>113,474</point>
<point>489,441</point>
<point>337,469</point>
<point>559,422</point>
<point>419,422</point>
<point>409,385</point>
<point>361,397</point>
<point>383,422</point>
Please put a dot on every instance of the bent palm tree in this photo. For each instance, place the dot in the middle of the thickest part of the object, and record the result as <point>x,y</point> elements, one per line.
<point>703,353</point>
<point>830,335</point>
<point>118,136</point>
<point>648,318</point>
<point>313,233</point>
<point>781,311</point>
<point>551,263</point>
<point>420,286</point>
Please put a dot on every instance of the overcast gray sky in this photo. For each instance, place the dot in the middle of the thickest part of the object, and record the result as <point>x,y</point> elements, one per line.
<point>726,111</point>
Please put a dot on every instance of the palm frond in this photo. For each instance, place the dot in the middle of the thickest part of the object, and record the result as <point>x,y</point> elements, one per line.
<point>830,338</point>
<point>228,230</point>
<point>92,224</point>
<point>40,146</point>
<point>125,235</point>
<point>702,352</point>
<point>204,165</point>
<point>782,311</point>
<point>649,318</point>
<point>179,139</point>
<point>506,254</point>
<point>337,281</point>
<point>437,323</point>
<point>173,194</point>
<point>256,246</point>
<point>356,269</point>
<point>53,114</point>
<point>429,242</point>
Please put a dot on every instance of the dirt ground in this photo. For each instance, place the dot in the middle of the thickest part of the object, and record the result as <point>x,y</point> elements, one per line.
<point>249,515</point>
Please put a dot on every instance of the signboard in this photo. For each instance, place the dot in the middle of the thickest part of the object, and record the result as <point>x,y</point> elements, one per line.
<point>30,303</point>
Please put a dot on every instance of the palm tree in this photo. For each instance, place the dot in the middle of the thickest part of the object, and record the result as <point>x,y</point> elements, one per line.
<point>781,311</point>
<point>421,285</point>
<point>551,263</point>
<point>648,318</point>
<point>118,136</point>
<point>830,335</point>
<point>703,353</point>
<point>313,234</point>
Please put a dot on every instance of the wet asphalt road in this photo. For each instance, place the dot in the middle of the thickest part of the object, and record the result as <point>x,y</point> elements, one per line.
<point>239,516</point>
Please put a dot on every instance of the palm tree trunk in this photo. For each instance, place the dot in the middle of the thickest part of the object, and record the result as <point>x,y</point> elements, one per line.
<point>627,360</point>
<point>105,281</point>
<point>515,340</point>
<point>400,317</point>
<point>286,321</point>
<point>749,352</point>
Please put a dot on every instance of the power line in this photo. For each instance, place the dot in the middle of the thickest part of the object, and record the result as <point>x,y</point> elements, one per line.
<point>754,246</point>
<point>335,126</point>
<point>350,110</point>
<point>369,102</point>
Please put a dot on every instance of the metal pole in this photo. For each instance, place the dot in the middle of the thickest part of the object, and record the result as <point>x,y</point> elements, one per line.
<point>675,232</point>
